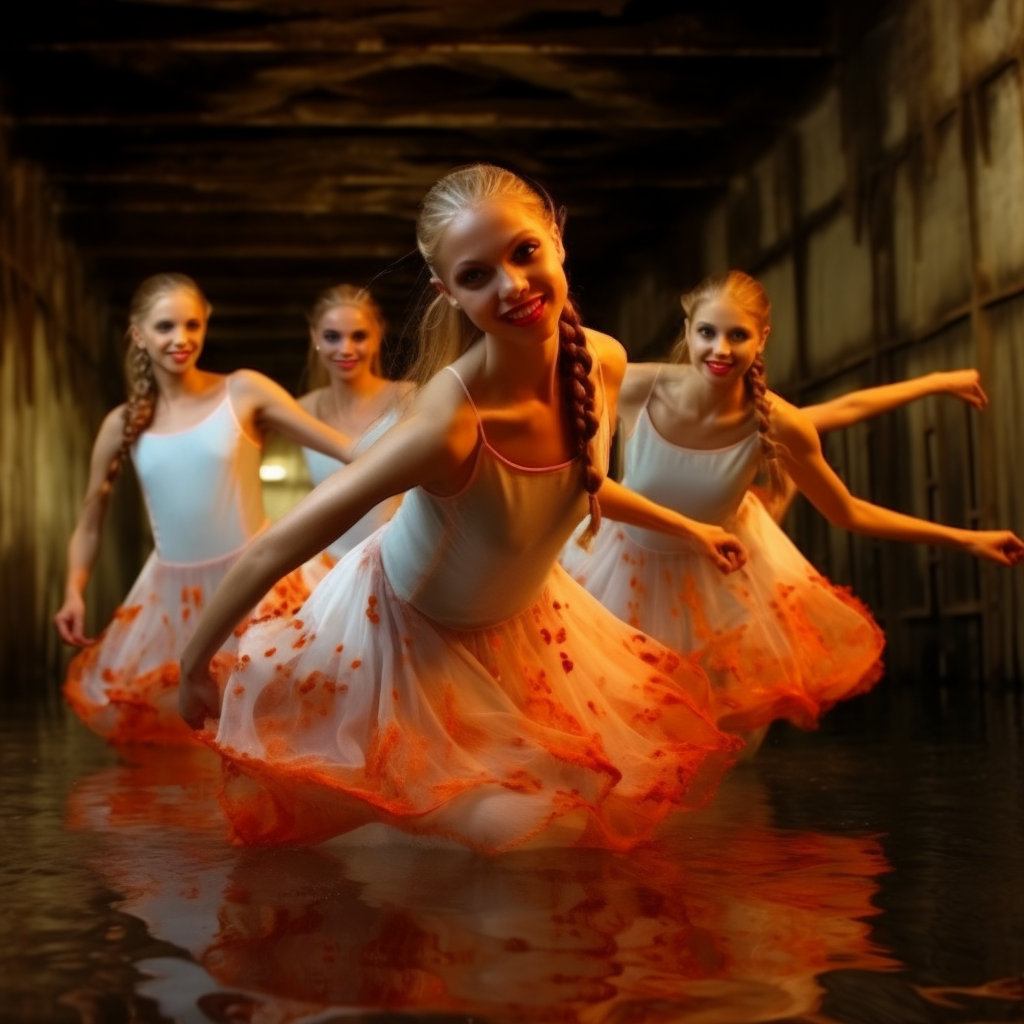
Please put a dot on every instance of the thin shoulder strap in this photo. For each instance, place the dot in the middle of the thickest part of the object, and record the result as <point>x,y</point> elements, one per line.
<point>650,390</point>
<point>476,411</point>
<point>604,396</point>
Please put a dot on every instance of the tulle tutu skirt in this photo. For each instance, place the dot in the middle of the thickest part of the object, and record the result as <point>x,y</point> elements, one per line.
<point>560,725</point>
<point>125,685</point>
<point>776,638</point>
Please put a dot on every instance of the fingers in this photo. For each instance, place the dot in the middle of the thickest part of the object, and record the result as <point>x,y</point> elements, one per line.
<point>1005,548</point>
<point>194,711</point>
<point>198,700</point>
<point>1013,550</point>
<point>71,631</point>
<point>62,629</point>
<point>729,555</point>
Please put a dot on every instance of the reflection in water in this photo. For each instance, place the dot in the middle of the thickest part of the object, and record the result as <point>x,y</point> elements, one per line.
<point>725,919</point>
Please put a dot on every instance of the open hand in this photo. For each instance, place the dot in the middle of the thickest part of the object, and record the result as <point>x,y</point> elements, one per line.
<point>1002,546</point>
<point>70,621</point>
<point>966,385</point>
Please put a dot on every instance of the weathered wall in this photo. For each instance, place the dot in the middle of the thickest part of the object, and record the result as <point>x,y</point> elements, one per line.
<point>58,376</point>
<point>888,226</point>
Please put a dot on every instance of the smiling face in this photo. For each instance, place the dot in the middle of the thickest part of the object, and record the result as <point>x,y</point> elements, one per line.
<point>171,330</point>
<point>348,340</point>
<point>502,265</point>
<point>723,339</point>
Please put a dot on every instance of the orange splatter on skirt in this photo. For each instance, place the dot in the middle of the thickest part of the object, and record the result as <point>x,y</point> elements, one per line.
<point>776,638</point>
<point>560,725</point>
<point>125,685</point>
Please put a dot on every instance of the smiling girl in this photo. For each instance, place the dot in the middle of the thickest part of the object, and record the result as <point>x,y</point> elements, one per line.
<point>349,391</point>
<point>195,439</point>
<point>776,639</point>
<point>447,677</point>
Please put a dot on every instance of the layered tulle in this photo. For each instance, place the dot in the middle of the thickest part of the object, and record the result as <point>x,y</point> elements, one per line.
<point>125,685</point>
<point>776,638</point>
<point>559,725</point>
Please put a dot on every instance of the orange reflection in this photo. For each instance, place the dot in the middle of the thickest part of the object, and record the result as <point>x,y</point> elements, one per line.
<point>723,919</point>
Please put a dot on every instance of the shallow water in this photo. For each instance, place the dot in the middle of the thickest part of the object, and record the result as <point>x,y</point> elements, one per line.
<point>869,872</point>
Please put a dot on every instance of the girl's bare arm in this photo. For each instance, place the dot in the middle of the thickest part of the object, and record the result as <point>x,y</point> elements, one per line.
<point>83,546</point>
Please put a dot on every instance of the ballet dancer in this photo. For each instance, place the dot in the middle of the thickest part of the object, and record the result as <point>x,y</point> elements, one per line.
<point>447,678</point>
<point>349,391</point>
<point>195,439</point>
<point>777,639</point>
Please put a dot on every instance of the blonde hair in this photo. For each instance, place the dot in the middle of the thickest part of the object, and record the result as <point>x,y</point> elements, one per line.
<point>750,295</point>
<point>331,298</point>
<point>446,332</point>
<point>138,368</point>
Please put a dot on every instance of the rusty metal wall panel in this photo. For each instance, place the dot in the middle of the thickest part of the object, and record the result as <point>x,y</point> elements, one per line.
<point>58,377</point>
<point>822,156</point>
<point>1000,171</point>
<point>839,309</point>
<point>889,231</point>
<point>782,357</point>
<point>932,250</point>
<point>1006,386</point>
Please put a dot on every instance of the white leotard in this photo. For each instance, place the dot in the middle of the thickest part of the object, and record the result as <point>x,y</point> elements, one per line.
<point>201,487</point>
<point>480,556</point>
<point>703,484</point>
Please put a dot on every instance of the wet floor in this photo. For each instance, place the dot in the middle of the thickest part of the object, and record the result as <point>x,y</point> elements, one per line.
<point>869,872</point>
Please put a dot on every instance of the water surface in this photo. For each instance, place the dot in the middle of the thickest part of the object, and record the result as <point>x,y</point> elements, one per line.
<point>869,872</point>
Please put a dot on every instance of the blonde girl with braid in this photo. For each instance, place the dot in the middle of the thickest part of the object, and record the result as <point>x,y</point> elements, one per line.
<point>705,436</point>
<point>447,678</point>
<point>195,439</point>
<point>349,391</point>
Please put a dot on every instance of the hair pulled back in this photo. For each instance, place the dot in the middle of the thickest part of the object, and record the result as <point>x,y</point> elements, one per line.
<point>750,295</point>
<point>331,298</point>
<point>138,367</point>
<point>445,332</point>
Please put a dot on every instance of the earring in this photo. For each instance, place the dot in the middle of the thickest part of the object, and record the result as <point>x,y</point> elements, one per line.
<point>455,304</point>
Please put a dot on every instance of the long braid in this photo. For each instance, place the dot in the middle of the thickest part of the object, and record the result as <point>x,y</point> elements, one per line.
<point>757,389</point>
<point>143,392</point>
<point>752,297</point>
<point>138,412</point>
<point>574,368</point>
<point>446,332</point>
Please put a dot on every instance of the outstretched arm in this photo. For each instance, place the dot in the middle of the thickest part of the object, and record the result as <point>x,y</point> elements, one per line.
<point>862,405</point>
<point>803,460</point>
<point>430,445</point>
<point>84,544</point>
<point>626,506</point>
<point>270,408</point>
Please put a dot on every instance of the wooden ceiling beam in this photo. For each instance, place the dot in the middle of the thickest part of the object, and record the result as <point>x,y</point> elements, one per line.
<point>251,249</point>
<point>342,43</point>
<point>544,117</point>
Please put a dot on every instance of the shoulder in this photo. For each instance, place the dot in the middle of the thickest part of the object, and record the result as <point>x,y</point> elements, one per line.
<point>401,391</point>
<point>243,382</point>
<point>609,353</point>
<point>636,384</point>
<point>112,426</point>
<point>310,401</point>
<point>109,436</point>
<point>791,426</point>
<point>444,398</point>
<point>438,420</point>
